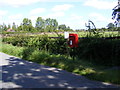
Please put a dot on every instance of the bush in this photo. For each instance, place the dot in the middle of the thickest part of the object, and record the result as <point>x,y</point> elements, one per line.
<point>100,51</point>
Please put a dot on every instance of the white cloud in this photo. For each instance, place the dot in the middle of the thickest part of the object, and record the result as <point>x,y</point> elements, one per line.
<point>55,15</point>
<point>37,11</point>
<point>75,21</point>
<point>63,7</point>
<point>75,17</point>
<point>97,17</point>
<point>2,12</point>
<point>101,4</point>
<point>15,17</point>
<point>33,17</point>
<point>18,3</point>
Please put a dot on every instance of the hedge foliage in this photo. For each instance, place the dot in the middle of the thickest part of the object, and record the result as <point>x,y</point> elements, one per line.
<point>56,46</point>
<point>99,51</point>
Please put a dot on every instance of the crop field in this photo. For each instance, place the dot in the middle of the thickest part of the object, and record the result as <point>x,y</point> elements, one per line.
<point>57,34</point>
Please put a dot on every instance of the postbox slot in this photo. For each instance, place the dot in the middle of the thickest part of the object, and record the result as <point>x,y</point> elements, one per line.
<point>71,36</point>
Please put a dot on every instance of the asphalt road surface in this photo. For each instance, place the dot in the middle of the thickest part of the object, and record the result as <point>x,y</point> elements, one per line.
<point>18,73</point>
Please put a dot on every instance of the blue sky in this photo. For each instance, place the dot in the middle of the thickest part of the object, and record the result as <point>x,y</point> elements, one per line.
<point>73,13</point>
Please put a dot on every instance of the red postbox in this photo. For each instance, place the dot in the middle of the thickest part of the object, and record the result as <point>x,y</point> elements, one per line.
<point>73,40</point>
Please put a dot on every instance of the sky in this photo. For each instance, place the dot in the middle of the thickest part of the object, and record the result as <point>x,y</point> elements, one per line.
<point>73,13</point>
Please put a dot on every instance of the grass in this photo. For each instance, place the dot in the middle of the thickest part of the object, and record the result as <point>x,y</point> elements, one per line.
<point>109,76</point>
<point>11,50</point>
<point>82,67</point>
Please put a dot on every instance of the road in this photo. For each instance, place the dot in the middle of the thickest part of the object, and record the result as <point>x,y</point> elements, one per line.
<point>18,73</point>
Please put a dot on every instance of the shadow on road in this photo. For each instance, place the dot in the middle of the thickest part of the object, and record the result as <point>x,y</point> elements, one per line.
<point>24,74</point>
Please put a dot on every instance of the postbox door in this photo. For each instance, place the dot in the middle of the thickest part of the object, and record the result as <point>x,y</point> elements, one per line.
<point>73,40</point>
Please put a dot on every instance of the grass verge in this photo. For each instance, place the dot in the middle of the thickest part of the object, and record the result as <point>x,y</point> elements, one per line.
<point>81,67</point>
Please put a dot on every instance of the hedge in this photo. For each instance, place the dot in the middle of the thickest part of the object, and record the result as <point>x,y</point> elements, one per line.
<point>99,51</point>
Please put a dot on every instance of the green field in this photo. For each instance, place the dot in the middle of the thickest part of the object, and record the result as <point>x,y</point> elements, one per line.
<point>56,34</point>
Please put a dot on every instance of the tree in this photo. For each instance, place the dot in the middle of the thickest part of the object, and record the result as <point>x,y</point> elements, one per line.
<point>9,26</point>
<point>62,27</point>
<point>20,28</point>
<point>116,14</point>
<point>27,21</point>
<point>4,27</point>
<point>54,24</point>
<point>1,27</point>
<point>110,25</point>
<point>51,24</point>
<point>40,23</point>
<point>69,29</point>
<point>14,26</point>
<point>27,24</point>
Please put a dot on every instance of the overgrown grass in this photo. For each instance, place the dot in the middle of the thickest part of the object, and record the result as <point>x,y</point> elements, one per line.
<point>78,66</point>
<point>11,50</point>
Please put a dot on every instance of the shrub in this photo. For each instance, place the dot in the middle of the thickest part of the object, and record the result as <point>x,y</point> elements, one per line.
<point>100,51</point>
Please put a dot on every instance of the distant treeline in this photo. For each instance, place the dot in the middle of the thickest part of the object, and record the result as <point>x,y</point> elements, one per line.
<point>46,25</point>
<point>41,25</point>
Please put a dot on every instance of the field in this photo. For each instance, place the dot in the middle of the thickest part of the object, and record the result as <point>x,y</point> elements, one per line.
<point>56,34</point>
